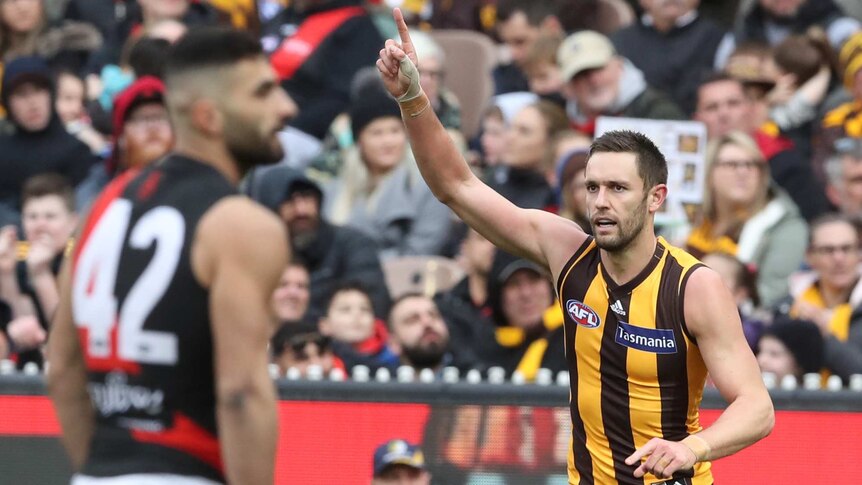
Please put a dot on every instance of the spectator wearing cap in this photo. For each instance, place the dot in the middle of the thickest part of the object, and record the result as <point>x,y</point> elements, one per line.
<point>333,254</point>
<point>529,333</point>
<point>39,142</point>
<point>142,135</point>
<point>399,462</point>
<point>747,216</point>
<point>599,82</point>
<point>379,189</point>
<point>673,46</point>
<point>724,107</point>
<point>790,347</point>
<point>845,120</point>
<point>772,21</point>
<point>844,177</point>
<point>300,345</point>
<point>830,294</point>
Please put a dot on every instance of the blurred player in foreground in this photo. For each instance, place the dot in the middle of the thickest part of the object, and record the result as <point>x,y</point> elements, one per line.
<point>165,310</point>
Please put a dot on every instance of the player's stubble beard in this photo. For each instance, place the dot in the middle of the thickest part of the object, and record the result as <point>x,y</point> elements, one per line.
<point>248,147</point>
<point>628,229</point>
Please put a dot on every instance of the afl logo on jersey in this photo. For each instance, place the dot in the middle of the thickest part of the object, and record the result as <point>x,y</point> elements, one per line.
<point>582,314</point>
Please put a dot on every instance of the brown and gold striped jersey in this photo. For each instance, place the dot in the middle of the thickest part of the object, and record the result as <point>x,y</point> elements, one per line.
<point>636,371</point>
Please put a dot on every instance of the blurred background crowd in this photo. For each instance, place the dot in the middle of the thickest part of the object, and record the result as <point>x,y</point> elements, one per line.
<point>383,274</point>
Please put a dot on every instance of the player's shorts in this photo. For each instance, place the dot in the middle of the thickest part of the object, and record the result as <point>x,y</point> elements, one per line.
<point>142,479</point>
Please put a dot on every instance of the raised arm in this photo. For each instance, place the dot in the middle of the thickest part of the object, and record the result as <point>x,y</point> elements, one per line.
<point>240,250</point>
<point>539,236</point>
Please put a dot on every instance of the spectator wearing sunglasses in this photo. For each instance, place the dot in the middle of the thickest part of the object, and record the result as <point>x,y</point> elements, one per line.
<point>300,345</point>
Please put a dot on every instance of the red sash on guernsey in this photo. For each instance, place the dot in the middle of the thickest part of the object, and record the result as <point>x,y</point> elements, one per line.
<point>294,51</point>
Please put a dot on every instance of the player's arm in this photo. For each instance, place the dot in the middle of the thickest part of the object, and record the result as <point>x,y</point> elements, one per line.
<point>67,376</point>
<point>533,234</point>
<point>239,252</point>
<point>712,318</point>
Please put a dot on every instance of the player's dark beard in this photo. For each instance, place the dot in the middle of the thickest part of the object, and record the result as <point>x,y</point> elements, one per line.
<point>426,356</point>
<point>629,228</point>
<point>248,148</point>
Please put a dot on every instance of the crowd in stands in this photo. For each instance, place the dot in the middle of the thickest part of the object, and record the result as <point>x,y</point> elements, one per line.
<point>777,84</point>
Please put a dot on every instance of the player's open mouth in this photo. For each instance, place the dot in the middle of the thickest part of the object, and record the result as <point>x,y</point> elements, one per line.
<point>602,222</point>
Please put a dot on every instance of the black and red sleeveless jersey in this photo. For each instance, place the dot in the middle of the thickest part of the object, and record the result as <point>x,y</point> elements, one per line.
<point>144,326</point>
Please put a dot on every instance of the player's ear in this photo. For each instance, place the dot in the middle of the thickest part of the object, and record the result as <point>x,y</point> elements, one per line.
<point>206,118</point>
<point>656,197</point>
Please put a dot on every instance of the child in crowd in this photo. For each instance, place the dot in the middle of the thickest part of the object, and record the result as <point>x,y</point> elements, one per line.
<point>358,338</point>
<point>741,281</point>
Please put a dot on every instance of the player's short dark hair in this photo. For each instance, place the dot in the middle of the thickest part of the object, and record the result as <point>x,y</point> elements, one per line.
<point>208,47</point>
<point>652,166</point>
<point>346,286</point>
<point>536,11</point>
<point>148,55</point>
<point>47,184</point>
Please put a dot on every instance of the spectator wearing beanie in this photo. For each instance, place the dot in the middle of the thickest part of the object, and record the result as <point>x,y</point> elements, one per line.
<point>142,135</point>
<point>790,347</point>
<point>40,142</point>
<point>334,255</point>
<point>379,189</point>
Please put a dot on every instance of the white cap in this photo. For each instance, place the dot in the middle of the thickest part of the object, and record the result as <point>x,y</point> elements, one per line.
<point>582,51</point>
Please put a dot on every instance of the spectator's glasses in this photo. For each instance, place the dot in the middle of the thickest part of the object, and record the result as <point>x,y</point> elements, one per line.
<point>830,250</point>
<point>737,164</point>
<point>152,120</point>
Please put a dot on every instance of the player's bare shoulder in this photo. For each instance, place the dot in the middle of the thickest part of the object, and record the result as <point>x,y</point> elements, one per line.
<point>238,227</point>
<point>559,238</point>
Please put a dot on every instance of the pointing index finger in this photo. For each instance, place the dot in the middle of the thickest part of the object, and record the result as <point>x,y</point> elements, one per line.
<point>406,42</point>
<point>640,453</point>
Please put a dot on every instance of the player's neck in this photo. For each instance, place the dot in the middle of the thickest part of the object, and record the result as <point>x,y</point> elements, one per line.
<point>211,154</point>
<point>626,264</point>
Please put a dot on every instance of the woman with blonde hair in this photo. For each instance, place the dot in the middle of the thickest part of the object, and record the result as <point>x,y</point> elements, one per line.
<point>379,189</point>
<point>744,214</point>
